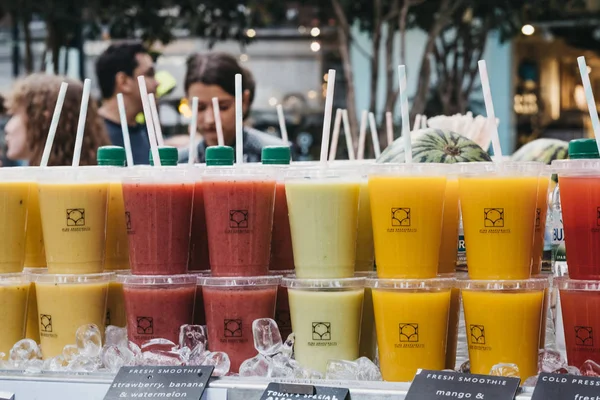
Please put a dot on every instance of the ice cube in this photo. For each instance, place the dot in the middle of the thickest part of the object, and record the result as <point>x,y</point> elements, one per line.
<point>288,345</point>
<point>197,356</point>
<point>465,367</point>
<point>256,366</point>
<point>267,338</point>
<point>57,363</point>
<point>85,364</point>
<point>281,366</point>
<point>23,351</point>
<point>34,366</point>
<point>530,382</point>
<point>504,369</point>
<point>158,344</point>
<point>114,357</point>
<point>220,361</point>
<point>191,336</point>
<point>70,352</point>
<point>590,368</point>
<point>162,358</point>
<point>342,370</point>
<point>549,360</point>
<point>367,370</point>
<point>116,336</point>
<point>89,340</point>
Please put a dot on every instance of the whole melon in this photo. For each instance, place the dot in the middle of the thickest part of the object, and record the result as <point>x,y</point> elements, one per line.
<point>435,146</point>
<point>542,150</point>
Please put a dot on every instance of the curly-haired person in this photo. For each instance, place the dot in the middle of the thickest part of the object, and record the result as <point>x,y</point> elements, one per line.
<point>31,105</point>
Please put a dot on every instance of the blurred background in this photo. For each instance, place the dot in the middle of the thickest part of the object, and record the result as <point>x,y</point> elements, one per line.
<point>530,48</point>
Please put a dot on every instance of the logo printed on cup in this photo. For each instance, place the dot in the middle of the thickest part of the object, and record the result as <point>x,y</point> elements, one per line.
<point>494,221</point>
<point>409,332</point>
<point>46,322</point>
<point>401,220</point>
<point>477,334</point>
<point>238,219</point>
<point>232,328</point>
<point>321,330</point>
<point>75,220</point>
<point>584,336</point>
<point>145,325</point>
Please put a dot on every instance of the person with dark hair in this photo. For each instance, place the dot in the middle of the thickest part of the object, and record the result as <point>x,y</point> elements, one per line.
<point>213,75</point>
<point>117,70</point>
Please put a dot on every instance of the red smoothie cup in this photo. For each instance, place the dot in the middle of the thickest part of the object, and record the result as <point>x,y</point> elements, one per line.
<point>158,212</point>
<point>238,204</point>
<point>199,260</point>
<point>232,304</point>
<point>157,305</point>
<point>580,302</point>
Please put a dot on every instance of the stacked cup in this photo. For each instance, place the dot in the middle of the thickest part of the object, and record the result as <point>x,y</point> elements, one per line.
<point>238,204</point>
<point>579,182</point>
<point>503,301</point>
<point>159,293</point>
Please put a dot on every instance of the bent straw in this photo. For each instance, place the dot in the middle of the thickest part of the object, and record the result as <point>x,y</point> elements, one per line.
<point>589,96</point>
<point>54,124</point>
<point>348,135</point>
<point>405,115</point>
<point>239,120</point>
<point>218,123</point>
<point>193,129</point>
<point>489,109</point>
<point>148,118</point>
<point>156,120</point>
<point>362,135</point>
<point>85,100</point>
<point>125,129</point>
<point>282,127</point>
<point>374,135</point>
<point>327,116</point>
<point>336,134</point>
<point>389,124</point>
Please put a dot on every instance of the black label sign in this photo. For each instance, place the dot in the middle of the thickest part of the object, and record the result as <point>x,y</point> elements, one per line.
<point>553,386</point>
<point>434,385</point>
<point>159,382</point>
<point>283,391</point>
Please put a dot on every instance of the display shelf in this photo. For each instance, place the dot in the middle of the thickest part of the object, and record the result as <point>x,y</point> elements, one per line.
<point>94,386</point>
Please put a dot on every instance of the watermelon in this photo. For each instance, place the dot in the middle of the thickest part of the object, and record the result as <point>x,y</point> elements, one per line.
<point>543,150</point>
<point>435,146</point>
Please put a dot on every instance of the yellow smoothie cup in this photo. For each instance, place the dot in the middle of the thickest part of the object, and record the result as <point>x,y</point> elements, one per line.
<point>411,316</point>
<point>498,203</point>
<point>35,253</point>
<point>323,209</point>
<point>73,205</point>
<point>326,319</point>
<point>14,289</point>
<point>407,208</point>
<point>66,302</point>
<point>503,321</point>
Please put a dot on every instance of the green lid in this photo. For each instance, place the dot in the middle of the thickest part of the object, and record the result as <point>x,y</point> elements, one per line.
<point>111,155</point>
<point>219,155</point>
<point>168,156</point>
<point>583,148</point>
<point>276,155</point>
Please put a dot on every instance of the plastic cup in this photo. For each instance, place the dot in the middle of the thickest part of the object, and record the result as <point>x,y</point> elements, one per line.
<point>66,302</point>
<point>239,204</point>
<point>411,316</point>
<point>73,204</point>
<point>580,302</point>
<point>449,246</point>
<point>157,305</point>
<point>503,321</point>
<point>326,319</point>
<point>117,241</point>
<point>368,333</point>
<point>115,303</point>
<point>232,304</point>
<point>407,205</point>
<point>498,203</point>
<point>282,307</point>
<point>32,330</point>
<point>541,212</point>
<point>14,289</point>
<point>199,259</point>
<point>579,182</point>
<point>14,202</point>
<point>158,209</point>
<point>35,252</point>
<point>323,213</point>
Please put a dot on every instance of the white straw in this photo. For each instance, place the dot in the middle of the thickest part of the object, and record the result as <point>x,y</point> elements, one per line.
<point>193,129</point>
<point>156,120</point>
<point>389,124</point>
<point>405,115</point>
<point>54,124</point>
<point>282,127</point>
<point>218,123</point>
<point>589,96</point>
<point>125,129</point>
<point>362,135</point>
<point>148,118</point>
<point>85,99</point>
<point>337,124</point>
<point>489,108</point>
<point>348,135</point>
<point>327,116</point>
<point>424,122</point>
<point>239,120</point>
<point>374,135</point>
<point>417,124</point>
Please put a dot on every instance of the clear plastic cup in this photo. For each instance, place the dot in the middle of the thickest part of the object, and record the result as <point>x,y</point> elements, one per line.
<point>115,303</point>
<point>323,211</point>
<point>503,321</point>
<point>326,319</point>
<point>157,305</point>
<point>158,210</point>
<point>411,316</point>
<point>239,205</point>
<point>14,290</point>
<point>407,205</point>
<point>498,203</point>
<point>66,302</point>
<point>73,205</point>
<point>580,303</point>
<point>579,182</point>
<point>232,304</point>
<point>15,188</point>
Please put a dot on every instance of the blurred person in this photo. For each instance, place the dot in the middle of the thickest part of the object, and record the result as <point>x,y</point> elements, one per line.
<point>117,69</point>
<point>31,105</point>
<point>213,75</point>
